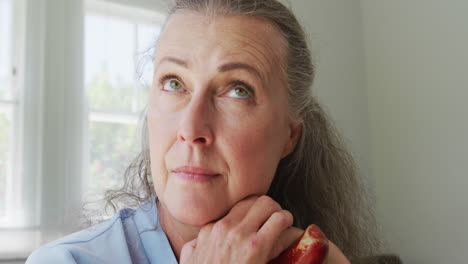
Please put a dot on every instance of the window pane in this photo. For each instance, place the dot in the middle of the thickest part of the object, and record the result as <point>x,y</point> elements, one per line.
<point>118,75</point>
<point>109,62</point>
<point>112,146</point>
<point>5,49</point>
<point>147,36</point>
<point>5,126</point>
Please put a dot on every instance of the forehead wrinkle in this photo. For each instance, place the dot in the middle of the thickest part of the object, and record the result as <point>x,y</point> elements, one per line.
<point>260,44</point>
<point>173,59</point>
<point>267,52</point>
<point>261,56</point>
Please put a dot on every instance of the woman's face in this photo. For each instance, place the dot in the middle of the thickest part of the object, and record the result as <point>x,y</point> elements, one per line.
<point>217,115</point>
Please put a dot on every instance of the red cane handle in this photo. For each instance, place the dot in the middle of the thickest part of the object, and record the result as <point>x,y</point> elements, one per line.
<point>310,248</point>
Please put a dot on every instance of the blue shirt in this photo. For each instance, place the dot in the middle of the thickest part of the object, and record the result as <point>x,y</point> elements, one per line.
<point>131,236</point>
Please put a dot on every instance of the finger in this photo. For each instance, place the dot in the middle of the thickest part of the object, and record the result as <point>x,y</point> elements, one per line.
<point>205,232</point>
<point>287,238</point>
<point>238,211</point>
<point>222,227</point>
<point>263,208</point>
<point>241,208</point>
<point>278,233</point>
<point>187,251</point>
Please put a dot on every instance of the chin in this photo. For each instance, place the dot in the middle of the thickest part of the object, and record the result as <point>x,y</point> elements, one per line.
<point>195,213</point>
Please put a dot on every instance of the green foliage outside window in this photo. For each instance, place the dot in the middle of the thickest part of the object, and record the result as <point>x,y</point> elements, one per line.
<point>104,95</point>
<point>112,148</point>
<point>112,145</point>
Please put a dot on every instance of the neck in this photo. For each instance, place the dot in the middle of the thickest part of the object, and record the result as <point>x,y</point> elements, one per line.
<point>178,233</point>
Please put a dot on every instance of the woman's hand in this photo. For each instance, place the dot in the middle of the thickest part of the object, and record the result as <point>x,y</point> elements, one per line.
<point>256,230</point>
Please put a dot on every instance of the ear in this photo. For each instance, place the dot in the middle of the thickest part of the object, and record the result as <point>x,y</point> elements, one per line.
<point>294,134</point>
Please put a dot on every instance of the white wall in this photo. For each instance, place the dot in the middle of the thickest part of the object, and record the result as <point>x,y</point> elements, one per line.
<point>404,65</point>
<point>335,33</point>
<point>154,5</point>
<point>417,84</point>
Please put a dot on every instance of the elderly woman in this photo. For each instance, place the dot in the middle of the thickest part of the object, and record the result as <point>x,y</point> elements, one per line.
<point>238,156</point>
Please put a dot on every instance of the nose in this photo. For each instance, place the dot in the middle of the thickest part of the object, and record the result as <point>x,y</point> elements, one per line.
<point>196,123</point>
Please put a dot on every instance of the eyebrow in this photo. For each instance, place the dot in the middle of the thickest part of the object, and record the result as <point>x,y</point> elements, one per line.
<point>242,66</point>
<point>222,68</point>
<point>175,60</point>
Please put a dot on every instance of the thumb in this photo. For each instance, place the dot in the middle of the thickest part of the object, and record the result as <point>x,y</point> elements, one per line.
<point>286,239</point>
<point>187,251</point>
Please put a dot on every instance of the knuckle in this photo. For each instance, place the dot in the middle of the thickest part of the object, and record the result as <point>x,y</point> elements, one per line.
<point>221,226</point>
<point>269,202</point>
<point>235,235</point>
<point>244,204</point>
<point>283,218</point>
<point>265,199</point>
<point>289,215</point>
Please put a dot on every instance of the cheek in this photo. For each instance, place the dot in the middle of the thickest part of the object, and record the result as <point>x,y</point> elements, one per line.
<point>162,125</point>
<point>255,150</point>
<point>161,133</point>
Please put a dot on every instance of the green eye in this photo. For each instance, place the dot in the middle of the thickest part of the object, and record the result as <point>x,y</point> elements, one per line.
<point>173,85</point>
<point>239,92</point>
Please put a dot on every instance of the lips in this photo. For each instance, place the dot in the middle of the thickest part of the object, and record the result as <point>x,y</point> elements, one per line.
<point>195,173</point>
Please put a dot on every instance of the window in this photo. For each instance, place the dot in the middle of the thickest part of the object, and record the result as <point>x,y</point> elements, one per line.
<point>10,110</point>
<point>119,45</point>
<point>69,77</point>
<point>6,103</point>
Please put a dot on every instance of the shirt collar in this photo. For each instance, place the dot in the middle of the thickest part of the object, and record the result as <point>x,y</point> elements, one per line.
<point>153,238</point>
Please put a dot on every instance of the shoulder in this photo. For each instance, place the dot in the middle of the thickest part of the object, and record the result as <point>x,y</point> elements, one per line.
<point>92,245</point>
<point>51,255</point>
